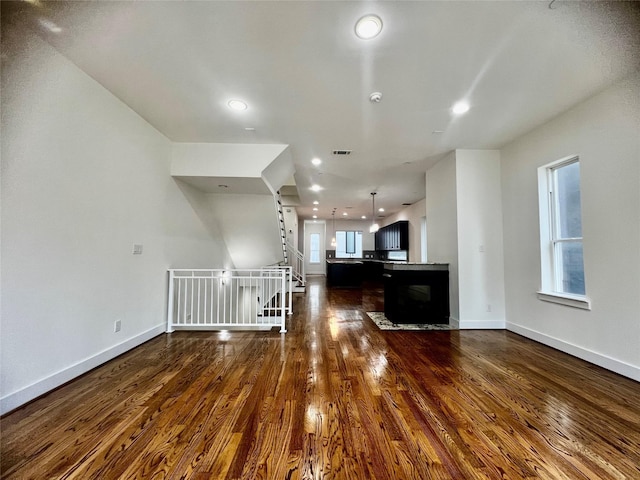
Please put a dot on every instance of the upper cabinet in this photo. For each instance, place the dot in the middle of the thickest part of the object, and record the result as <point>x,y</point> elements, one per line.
<point>393,237</point>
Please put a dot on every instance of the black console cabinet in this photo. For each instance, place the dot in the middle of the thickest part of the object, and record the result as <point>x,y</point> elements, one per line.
<point>416,296</point>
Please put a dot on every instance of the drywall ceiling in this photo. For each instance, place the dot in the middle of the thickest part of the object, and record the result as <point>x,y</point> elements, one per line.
<point>307,78</point>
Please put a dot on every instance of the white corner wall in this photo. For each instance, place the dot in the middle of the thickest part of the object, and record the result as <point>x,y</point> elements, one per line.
<point>442,223</point>
<point>83,179</point>
<point>605,132</point>
<point>480,250</point>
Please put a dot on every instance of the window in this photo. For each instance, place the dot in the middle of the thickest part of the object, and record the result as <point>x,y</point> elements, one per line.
<point>348,244</point>
<point>314,248</point>
<point>561,233</point>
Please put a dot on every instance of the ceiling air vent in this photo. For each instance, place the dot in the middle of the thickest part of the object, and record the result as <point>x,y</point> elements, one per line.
<point>406,204</point>
<point>342,152</point>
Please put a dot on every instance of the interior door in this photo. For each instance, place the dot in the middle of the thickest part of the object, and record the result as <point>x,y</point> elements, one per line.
<point>315,247</point>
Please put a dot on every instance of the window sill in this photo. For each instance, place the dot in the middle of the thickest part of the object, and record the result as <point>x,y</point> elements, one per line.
<point>576,301</point>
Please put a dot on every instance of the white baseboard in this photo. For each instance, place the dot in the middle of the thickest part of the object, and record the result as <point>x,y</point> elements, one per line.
<point>481,325</point>
<point>16,399</point>
<point>617,366</point>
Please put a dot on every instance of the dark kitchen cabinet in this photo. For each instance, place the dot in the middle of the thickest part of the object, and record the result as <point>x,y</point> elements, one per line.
<point>393,237</point>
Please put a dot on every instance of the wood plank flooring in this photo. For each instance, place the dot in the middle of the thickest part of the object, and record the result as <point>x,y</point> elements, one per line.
<point>334,398</point>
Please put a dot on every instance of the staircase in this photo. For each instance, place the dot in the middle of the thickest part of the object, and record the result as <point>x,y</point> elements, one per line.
<point>292,256</point>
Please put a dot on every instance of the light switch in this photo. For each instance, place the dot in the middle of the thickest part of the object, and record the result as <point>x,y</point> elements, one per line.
<point>137,249</point>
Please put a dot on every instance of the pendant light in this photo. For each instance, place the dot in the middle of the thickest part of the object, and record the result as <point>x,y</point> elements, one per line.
<point>374,226</point>
<point>333,240</point>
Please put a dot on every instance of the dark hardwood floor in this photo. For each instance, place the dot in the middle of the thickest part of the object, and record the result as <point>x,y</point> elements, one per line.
<point>334,398</point>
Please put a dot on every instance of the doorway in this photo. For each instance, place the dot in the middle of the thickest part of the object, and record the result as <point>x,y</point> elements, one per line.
<point>314,247</point>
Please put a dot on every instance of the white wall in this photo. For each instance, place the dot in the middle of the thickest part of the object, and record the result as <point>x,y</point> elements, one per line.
<point>442,223</point>
<point>291,224</point>
<point>368,239</point>
<point>480,250</point>
<point>240,160</point>
<point>604,132</point>
<point>414,215</point>
<point>83,179</point>
<point>249,226</point>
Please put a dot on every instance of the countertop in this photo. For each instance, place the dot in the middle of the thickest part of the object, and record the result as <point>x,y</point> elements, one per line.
<point>397,266</point>
<point>391,264</point>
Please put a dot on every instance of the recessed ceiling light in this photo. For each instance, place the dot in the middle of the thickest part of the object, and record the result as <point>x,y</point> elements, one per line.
<point>315,216</point>
<point>375,97</point>
<point>344,214</point>
<point>381,209</point>
<point>250,129</point>
<point>460,107</point>
<point>316,188</point>
<point>364,217</point>
<point>315,202</point>
<point>368,27</point>
<point>237,105</point>
<point>49,25</point>
<point>316,161</point>
<point>315,209</point>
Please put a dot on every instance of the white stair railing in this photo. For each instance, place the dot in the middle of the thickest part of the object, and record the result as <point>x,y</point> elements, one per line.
<point>296,261</point>
<point>216,298</point>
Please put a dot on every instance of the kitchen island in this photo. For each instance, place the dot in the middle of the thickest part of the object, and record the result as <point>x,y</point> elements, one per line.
<point>416,292</point>
<point>344,273</point>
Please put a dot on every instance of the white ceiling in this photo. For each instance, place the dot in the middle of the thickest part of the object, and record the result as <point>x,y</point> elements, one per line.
<point>307,78</point>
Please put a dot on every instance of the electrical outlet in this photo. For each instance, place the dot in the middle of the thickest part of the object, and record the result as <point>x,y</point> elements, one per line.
<point>117,326</point>
<point>137,249</point>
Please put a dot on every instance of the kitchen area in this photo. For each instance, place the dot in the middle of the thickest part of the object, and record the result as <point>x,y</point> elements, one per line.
<point>414,292</point>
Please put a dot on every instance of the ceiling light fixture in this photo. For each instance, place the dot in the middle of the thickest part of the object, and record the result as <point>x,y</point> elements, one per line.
<point>316,188</point>
<point>237,105</point>
<point>316,161</point>
<point>315,216</point>
<point>375,97</point>
<point>460,107</point>
<point>49,25</point>
<point>368,27</point>
<point>381,209</point>
<point>374,226</point>
<point>364,217</point>
<point>316,202</point>
<point>344,214</point>
<point>315,209</point>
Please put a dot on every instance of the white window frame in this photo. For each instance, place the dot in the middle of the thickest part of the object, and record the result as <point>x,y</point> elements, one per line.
<point>312,251</point>
<point>357,237</point>
<point>549,290</point>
